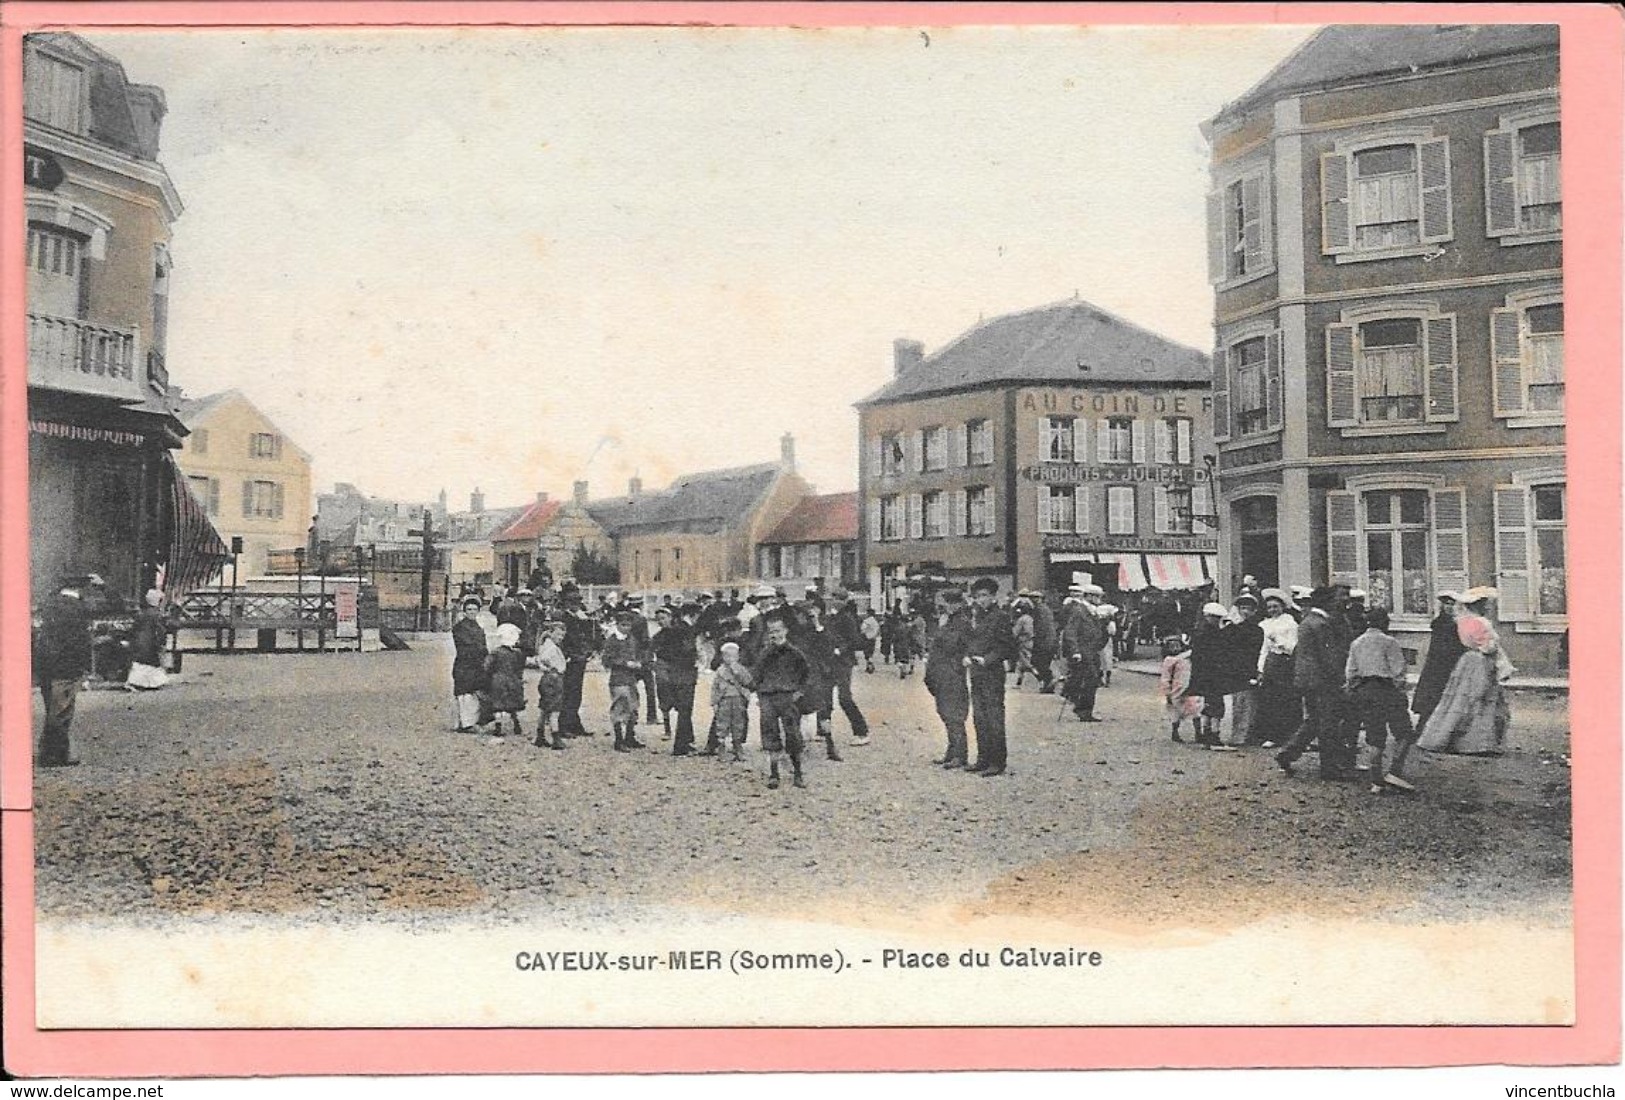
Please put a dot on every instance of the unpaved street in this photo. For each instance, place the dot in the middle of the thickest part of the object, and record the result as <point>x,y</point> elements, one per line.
<point>332,787</point>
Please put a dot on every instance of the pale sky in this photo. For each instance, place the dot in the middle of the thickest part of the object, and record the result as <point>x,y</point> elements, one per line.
<point>442,259</point>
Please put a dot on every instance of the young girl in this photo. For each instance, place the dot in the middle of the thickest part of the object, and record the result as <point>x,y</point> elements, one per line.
<point>730,700</point>
<point>506,667</point>
<point>550,688</point>
<point>1174,684</point>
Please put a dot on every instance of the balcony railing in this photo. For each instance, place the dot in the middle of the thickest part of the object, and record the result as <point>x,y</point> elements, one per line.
<point>65,353</point>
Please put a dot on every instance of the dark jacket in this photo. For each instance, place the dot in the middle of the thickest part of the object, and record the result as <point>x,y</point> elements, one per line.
<point>506,667</point>
<point>1044,634</point>
<point>1209,661</point>
<point>1444,650</point>
<point>945,664</point>
<point>468,674</point>
<point>1239,645</point>
<point>785,670</point>
<point>676,653</point>
<point>147,637</point>
<point>993,639</point>
<point>1323,650</point>
<point>822,648</point>
<point>580,635</point>
<point>62,645</point>
<point>623,657</point>
<point>1083,637</point>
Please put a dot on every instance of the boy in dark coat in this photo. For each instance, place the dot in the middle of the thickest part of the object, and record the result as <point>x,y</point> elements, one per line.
<point>782,676</point>
<point>623,658</point>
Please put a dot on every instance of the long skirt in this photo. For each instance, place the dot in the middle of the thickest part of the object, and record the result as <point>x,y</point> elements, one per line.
<point>470,712</point>
<point>146,677</point>
<point>1473,715</point>
<point>1280,706</point>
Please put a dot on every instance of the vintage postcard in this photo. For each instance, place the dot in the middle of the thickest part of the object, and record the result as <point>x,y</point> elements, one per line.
<point>866,524</point>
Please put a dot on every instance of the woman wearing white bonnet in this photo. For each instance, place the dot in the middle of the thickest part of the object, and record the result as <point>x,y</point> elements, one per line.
<point>147,640</point>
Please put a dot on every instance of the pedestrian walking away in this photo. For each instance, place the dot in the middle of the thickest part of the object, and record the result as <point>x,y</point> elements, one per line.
<point>1444,650</point>
<point>1375,674</point>
<point>849,648</point>
<point>1318,670</point>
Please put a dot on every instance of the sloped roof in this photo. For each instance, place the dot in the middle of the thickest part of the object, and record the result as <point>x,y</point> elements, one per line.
<point>1051,343</point>
<point>1342,53</point>
<point>192,411</point>
<point>530,523</point>
<point>702,503</point>
<point>829,518</point>
<point>115,118</point>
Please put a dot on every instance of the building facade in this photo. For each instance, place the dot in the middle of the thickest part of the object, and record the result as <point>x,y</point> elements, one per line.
<point>1385,240</point>
<point>702,532</point>
<point>253,480</point>
<point>547,534</point>
<point>1053,442</point>
<point>104,492</point>
<point>816,545</point>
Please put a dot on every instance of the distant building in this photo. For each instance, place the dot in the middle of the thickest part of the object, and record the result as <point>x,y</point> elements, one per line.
<point>473,561</point>
<point>349,517</point>
<point>815,545</point>
<point>702,532</point>
<point>549,532</point>
<point>251,478</point>
<point>1385,242</point>
<point>1057,441</point>
<point>104,492</point>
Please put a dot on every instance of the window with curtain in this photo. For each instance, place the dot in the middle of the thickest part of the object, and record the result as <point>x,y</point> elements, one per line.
<point>1389,373</point>
<point>1386,206</point>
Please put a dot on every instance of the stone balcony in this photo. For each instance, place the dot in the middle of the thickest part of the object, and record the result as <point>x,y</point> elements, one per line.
<point>77,356</point>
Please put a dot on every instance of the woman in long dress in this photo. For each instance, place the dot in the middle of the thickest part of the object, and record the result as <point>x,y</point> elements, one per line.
<point>1472,716</point>
<point>1444,650</point>
<point>1280,706</point>
<point>469,680</point>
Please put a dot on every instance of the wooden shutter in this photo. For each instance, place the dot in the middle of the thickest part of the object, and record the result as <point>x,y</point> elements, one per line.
<point>1182,441</point>
<point>1137,433</point>
<point>956,508</point>
<point>1166,447</point>
<point>1512,576</point>
<point>1272,381</point>
<point>876,461</point>
<point>248,498</point>
<point>1440,333</point>
<point>874,519</point>
<point>1341,408</point>
<point>1450,539</point>
<point>1500,183</point>
<point>1103,441</point>
<point>1046,517</point>
<point>1043,439</point>
<point>1217,239</point>
<point>214,496</point>
<point>917,439</point>
<point>276,500</point>
<point>960,451</point>
<point>1336,221</point>
<point>1080,439</point>
<point>992,511</point>
<point>1080,509</point>
<point>1221,395</point>
<point>916,516</point>
<point>1433,161</point>
<point>1506,349</point>
<point>1255,226</point>
<point>1343,537</point>
<point>1160,509</point>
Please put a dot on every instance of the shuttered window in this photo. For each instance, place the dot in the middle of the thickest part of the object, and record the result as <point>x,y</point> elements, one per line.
<point>934,445</point>
<point>1120,518</point>
<point>1380,197</point>
<point>1531,551</point>
<point>891,519</point>
<point>935,509</point>
<point>1240,233</point>
<point>1402,545</point>
<point>1523,179</point>
<point>979,511</point>
<point>1117,439</point>
<point>1055,434</point>
<point>1386,371</point>
<point>979,443</point>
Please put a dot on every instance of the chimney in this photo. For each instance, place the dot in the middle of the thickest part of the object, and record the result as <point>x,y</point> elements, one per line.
<point>476,500</point>
<point>906,355</point>
<point>578,492</point>
<point>541,498</point>
<point>787,452</point>
<point>634,486</point>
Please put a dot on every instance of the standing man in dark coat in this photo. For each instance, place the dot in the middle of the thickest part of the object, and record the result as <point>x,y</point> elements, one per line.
<point>1318,673</point>
<point>782,676</point>
<point>580,640</point>
<point>850,644</point>
<point>62,648</point>
<point>1444,650</point>
<point>1045,638</point>
<point>677,658</point>
<point>1082,639</point>
<point>945,676</point>
<point>989,650</point>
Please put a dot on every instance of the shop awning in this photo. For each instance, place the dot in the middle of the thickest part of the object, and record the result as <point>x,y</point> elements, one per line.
<point>196,550</point>
<point>1130,571</point>
<point>1173,571</point>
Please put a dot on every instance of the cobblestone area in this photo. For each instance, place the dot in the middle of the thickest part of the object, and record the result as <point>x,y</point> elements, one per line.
<point>332,785</point>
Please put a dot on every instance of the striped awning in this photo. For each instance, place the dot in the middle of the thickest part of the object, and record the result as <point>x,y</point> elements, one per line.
<point>196,550</point>
<point>1173,571</point>
<point>1130,571</point>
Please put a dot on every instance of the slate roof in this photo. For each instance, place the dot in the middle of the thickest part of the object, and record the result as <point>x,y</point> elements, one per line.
<point>123,114</point>
<point>1335,55</point>
<point>191,411</point>
<point>702,503</point>
<point>1048,344</point>
<point>829,518</point>
<point>530,523</point>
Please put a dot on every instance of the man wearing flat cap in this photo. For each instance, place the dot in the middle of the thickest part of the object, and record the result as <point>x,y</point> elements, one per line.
<point>989,649</point>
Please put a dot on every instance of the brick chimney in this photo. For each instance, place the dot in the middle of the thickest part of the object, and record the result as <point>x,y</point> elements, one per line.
<point>787,452</point>
<point>476,500</point>
<point>541,497</point>
<point>906,355</point>
<point>578,492</point>
<point>634,486</point>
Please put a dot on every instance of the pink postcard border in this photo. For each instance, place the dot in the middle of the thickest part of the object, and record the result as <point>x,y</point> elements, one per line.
<point>1592,54</point>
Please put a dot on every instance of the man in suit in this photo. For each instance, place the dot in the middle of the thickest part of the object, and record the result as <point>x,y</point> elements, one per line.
<point>1317,672</point>
<point>990,648</point>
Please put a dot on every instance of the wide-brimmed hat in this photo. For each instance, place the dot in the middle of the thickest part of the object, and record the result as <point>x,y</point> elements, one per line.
<point>1449,594</point>
<point>1248,597</point>
<point>1277,595</point>
<point>1479,594</point>
<point>1214,609</point>
<point>765,592</point>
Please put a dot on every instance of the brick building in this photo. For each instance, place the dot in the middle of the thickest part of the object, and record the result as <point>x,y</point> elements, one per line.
<point>1385,242</point>
<point>549,532</point>
<point>815,545</point>
<point>1038,445</point>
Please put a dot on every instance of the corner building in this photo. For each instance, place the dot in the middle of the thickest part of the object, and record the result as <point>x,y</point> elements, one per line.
<point>1042,444</point>
<point>1385,242</point>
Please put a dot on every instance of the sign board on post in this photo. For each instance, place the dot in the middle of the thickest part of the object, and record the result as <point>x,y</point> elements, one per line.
<point>345,609</point>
